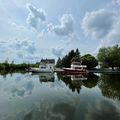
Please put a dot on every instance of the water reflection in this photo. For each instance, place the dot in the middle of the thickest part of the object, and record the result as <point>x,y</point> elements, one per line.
<point>33,98</point>
<point>45,77</point>
<point>75,82</point>
<point>103,110</point>
<point>92,80</point>
<point>50,111</point>
<point>110,85</point>
<point>17,85</point>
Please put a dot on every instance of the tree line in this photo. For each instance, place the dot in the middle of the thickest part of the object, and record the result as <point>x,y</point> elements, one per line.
<point>6,66</point>
<point>107,57</point>
<point>74,56</point>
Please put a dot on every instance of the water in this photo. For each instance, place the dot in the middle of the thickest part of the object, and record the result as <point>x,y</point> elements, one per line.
<point>59,97</point>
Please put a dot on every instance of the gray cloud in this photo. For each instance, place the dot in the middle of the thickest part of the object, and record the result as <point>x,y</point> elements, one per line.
<point>65,27</point>
<point>24,45</point>
<point>116,2</point>
<point>114,36</point>
<point>102,111</point>
<point>103,25</point>
<point>57,51</point>
<point>35,16</point>
<point>18,92</point>
<point>98,23</point>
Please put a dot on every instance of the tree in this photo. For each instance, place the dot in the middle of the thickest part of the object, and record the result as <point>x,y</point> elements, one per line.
<point>109,56</point>
<point>77,53</point>
<point>68,58</point>
<point>59,62</point>
<point>89,60</point>
<point>75,59</point>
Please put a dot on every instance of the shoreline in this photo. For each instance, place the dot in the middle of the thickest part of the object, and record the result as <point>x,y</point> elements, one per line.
<point>93,71</point>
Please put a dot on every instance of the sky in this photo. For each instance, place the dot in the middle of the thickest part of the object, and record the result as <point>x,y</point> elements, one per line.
<point>35,29</point>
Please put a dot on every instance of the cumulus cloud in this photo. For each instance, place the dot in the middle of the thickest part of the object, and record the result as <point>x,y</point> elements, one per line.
<point>65,27</point>
<point>35,16</point>
<point>25,45</point>
<point>98,23</point>
<point>103,25</point>
<point>57,51</point>
<point>114,36</point>
<point>101,110</point>
<point>17,27</point>
<point>116,2</point>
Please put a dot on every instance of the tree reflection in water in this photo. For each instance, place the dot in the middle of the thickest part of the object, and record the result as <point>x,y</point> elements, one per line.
<point>75,82</point>
<point>110,85</point>
<point>92,81</point>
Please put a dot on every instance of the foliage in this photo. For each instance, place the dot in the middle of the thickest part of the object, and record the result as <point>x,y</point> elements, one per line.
<point>109,56</point>
<point>68,58</point>
<point>76,59</point>
<point>89,60</point>
<point>110,85</point>
<point>59,62</point>
<point>15,67</point>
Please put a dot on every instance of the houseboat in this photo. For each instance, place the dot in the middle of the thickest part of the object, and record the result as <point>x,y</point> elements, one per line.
<point>46,66</point>
<point>76,68</point>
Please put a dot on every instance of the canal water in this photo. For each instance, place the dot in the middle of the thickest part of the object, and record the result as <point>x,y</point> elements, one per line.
<point>59,97</point>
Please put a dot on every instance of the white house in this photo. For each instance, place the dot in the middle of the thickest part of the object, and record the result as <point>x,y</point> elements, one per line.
<point>48,63</point>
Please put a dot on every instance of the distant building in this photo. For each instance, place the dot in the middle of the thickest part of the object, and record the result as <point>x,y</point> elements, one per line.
<point>48,63</point>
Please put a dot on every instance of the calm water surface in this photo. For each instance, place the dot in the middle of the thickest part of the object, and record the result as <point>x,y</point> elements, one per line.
<point>59,97</point>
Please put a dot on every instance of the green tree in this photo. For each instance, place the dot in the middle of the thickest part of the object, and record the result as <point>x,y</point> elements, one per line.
<point>76,59</point>
<point>77,53</point>
<point>72,55</point>
<point>59,62</point>
<point>109,56</point>
<point>89,60</point>
<point>68,58</point>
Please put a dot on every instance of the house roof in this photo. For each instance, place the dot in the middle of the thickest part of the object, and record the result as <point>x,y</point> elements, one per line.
<point>48,61</point>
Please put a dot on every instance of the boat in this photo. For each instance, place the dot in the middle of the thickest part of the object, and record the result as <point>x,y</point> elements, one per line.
<point>76,68</point>
<point>46,66</point>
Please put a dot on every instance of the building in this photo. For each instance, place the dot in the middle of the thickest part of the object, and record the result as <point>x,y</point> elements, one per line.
<point>48,63</point>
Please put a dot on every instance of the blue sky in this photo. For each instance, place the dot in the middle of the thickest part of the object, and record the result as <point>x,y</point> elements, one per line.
<point>35,29</point>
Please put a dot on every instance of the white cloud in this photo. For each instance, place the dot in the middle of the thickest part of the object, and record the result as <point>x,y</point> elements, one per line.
<point>116,2</point>
<point>17,27</point>
<point>24,45</point>
<point>57,51</point>
<point>65,27</point>
<point>35,16</point>
<point>114,36</point>
<point>103,25</point>
<point>98,23</point>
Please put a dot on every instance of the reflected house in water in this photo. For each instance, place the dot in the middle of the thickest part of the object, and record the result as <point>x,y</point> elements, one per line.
<point>46,77</point>
<point>78,77</point>
<point>75,82</point>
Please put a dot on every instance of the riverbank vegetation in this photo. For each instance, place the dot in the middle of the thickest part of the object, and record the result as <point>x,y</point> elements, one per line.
<point>12,67</point>
<point>74,56</point>
<point>107,57</point>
